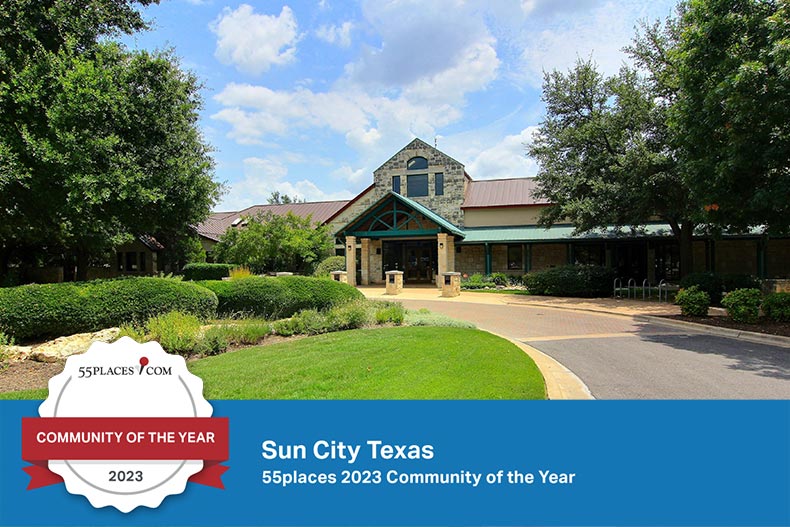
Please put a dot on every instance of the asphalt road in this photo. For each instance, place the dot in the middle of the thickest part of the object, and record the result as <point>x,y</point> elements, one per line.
<point>619,358</point>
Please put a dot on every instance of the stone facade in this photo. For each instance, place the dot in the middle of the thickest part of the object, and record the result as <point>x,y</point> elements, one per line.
<point>447,205</point>
<point>471,260</point>
<point>547,255</point>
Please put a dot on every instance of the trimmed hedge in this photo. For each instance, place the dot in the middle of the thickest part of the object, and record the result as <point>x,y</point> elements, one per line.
<point>571,280</point>
<point>717,284</point>
<point>278,297</point>
<point>33,311</point>
<point>207,271</point>
<point>776,306</point>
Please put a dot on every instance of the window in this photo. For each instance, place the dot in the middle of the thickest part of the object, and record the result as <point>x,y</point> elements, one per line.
<point>119,257</point>
<point>396,184</point>
<point>142,262</point>
<point>417,163</point>
<point>417,185</point>
<point>515,258</point>
<point>131,262</point>
<point>589,254</point>
<point>438,189</point>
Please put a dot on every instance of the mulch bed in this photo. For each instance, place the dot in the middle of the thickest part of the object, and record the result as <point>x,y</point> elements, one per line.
<point>763,326</point>
<point>28,375</point>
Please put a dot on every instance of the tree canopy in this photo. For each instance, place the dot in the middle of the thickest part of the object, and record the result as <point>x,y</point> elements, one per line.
<point>271,242</point>
<point>732,115</point>
<point>697,134</point>
<point>98,144</point>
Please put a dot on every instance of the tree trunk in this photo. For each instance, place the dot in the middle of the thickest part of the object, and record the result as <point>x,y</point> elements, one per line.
<point>82,265</point>
<point>686,240</point>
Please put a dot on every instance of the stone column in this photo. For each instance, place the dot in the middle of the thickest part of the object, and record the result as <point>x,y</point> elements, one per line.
<point>351,259</point>
<point>365,263</point>
<point>450,253</point>
<point>441,244</point>
<point>376,262</point>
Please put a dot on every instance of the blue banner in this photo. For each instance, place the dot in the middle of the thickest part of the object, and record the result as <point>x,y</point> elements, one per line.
<point>460,463</point>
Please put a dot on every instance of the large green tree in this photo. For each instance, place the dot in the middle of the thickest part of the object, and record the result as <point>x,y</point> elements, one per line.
<point>732,116</point>
<point>97,144</point>
<point>605,155</point>
<point>272,242</point>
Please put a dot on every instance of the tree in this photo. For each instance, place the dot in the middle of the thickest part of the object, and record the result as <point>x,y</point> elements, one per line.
<point>732,118</point>
<point>97,144</point>
<point>271,242</point>
<point>606,156</point>
<point>283,199</point>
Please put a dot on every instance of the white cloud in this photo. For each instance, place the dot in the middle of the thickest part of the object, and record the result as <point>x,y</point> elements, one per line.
<point>252,42</point>
<point>425,49</point>
<point>338,35</point>
<point>505,159</point>
<point>600,33</point>
<point>553,7</point>
<point>262,176</point>
<point>346,173</point>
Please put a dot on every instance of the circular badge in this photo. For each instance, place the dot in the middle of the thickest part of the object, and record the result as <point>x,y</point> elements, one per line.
<point>130,387</point>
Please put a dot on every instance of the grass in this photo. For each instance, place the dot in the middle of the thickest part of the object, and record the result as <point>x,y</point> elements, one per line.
<point>386,363</point>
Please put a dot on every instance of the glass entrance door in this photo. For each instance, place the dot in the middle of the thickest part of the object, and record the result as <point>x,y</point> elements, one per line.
<point>417,259</point>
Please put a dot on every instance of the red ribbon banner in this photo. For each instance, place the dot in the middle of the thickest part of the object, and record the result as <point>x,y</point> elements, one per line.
<point>125,438</point>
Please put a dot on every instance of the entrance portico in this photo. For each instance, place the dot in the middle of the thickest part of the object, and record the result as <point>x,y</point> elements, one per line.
<point>397,233</point>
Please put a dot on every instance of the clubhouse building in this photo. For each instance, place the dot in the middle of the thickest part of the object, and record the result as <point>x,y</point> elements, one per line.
<point>424,215</point>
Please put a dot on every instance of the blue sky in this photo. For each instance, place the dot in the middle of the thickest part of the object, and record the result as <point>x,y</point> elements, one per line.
<point>309,97</point>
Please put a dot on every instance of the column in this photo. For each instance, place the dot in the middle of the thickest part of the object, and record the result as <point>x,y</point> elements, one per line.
<point>351,259</point>
<point>450,254</point>
<point>441,240</point>
<point>488,259</point>
<point>365,263</point>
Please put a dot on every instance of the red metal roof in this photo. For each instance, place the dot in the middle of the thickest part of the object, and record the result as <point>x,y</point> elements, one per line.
<point>502,193</point>
<point>219,222</point>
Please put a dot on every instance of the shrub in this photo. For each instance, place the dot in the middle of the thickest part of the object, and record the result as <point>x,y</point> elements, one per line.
<point>477,281</point>
<point>214,341</point>
<point>693,301</point>
<point>391,314</point>
<point>250,331</point>
<point>351,315</point>
<point>284,327</point>
<point>176,332</point>
<point>207,271</point>
<point>327,265</point>
<point>717,284</point>
<point>571,280</point>
<point>279,297</point>
<point>776,306</point>
<point>310,322</point>
<point>743,305</point>
<point>423,317</point>
<point>239,272</point>
<point>499,278</point>
<point>5,352</point>
<point>33,311</point>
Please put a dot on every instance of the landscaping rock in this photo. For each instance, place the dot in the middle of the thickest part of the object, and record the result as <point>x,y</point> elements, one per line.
<point>17,353</point>
<point>63,347</point>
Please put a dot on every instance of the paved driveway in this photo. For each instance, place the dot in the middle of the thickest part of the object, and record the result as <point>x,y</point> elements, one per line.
<point>619,358</point>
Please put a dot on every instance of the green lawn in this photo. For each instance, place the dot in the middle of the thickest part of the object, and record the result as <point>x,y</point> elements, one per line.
<point>384,363</point>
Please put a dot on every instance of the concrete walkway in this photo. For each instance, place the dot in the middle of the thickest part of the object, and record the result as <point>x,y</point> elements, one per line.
<point>610,348</point>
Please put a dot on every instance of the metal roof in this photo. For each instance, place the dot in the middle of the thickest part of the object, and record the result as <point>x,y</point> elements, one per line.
<point>217,223</point>
<point>533,233</point>
<point>502,193</point>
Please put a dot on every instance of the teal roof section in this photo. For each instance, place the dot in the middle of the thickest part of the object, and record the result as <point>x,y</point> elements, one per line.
<point>443,224</point>
<point>431,215</point>
<point>558,233</point>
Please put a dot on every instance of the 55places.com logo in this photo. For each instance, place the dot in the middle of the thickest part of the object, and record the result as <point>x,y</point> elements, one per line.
<point>143,368</point>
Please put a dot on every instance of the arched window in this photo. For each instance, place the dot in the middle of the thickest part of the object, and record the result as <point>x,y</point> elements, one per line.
<point>417,163</point>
